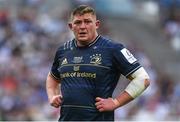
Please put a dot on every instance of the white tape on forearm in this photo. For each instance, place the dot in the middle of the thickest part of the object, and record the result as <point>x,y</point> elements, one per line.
<point>137,86</point>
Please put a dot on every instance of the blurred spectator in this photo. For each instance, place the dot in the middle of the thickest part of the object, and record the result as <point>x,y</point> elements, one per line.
<point>170,19</point>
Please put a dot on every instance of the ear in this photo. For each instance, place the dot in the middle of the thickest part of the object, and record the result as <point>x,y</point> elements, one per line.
<point>70,25</point>
<point>97,24</point>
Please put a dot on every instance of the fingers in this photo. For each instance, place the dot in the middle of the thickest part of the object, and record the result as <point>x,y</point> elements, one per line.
<point>55,105</point>
<point>105,104</point>
<point>100,108</point>
<point>99,99</point>
<point>60,96</point>
<point>56,101</point>
<point>99,104</point>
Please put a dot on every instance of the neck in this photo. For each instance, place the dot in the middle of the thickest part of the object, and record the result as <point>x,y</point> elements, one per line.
<point>85,43</point>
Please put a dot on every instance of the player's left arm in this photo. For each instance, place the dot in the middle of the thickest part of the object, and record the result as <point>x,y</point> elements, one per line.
<point>139,82</point>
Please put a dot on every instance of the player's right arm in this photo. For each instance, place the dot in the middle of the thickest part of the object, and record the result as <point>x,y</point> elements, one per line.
<point>53,91</point>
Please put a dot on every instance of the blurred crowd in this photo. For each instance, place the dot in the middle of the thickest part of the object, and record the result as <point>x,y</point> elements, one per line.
<point>27,45</point>
<point>28,42</point>
<point>170,20</point>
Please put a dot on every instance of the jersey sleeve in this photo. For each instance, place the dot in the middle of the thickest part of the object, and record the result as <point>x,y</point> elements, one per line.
<point>54,69</point>
<point>125,61</point>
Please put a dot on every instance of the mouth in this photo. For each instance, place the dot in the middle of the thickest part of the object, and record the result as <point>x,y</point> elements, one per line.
<point>82,34</point>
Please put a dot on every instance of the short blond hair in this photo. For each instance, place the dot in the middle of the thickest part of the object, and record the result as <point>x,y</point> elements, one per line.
<point>81,10</point>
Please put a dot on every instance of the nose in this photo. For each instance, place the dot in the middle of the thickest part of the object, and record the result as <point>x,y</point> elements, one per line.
<point>83,25</point>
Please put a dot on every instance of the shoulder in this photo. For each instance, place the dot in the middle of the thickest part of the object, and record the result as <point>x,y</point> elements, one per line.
<point>109,43</point>
<point>63,48</point>
<point>68,45</point>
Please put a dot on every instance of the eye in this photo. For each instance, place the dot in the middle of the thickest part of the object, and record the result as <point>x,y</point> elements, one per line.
<point>87,21</point>
<point>77,22</point>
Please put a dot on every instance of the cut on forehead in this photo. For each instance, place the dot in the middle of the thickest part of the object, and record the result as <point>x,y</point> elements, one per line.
<point>81,10</point>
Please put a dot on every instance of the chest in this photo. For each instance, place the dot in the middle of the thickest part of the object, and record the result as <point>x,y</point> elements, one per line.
<point>87,63</point>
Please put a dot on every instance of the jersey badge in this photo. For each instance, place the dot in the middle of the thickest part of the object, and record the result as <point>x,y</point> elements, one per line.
<point>77,60</point>
<point>64,61</point>
<point>76,68</point>
<point>96,59</point>
<point>127,54</point>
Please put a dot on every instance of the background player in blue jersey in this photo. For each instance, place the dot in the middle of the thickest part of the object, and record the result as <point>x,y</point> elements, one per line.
<point>88,69</point>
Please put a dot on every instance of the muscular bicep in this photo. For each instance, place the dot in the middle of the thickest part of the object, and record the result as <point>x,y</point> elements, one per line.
<point>52,78</point>
<point>52,86</point>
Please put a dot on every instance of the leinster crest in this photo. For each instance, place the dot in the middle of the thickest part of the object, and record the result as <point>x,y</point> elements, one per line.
<point>96,59</point>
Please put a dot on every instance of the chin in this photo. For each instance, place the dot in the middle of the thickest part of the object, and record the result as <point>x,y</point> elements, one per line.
<point>83,39</point>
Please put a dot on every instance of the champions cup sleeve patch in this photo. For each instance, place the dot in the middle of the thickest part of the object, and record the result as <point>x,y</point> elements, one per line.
<point>127,54</point>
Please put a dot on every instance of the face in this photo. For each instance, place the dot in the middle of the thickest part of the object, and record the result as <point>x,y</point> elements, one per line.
<point>84,28</point>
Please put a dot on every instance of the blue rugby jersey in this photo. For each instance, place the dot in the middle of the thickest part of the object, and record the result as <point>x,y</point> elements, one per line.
<point>89,72</point>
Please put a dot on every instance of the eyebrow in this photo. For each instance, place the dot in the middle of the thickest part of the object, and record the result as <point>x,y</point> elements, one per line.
<point>83,19</point>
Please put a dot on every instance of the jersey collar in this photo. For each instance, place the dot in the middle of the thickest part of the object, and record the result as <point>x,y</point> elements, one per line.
<point>90,44</point>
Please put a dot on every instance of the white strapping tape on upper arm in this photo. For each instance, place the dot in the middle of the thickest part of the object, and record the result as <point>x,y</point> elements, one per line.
<point>137,86</point>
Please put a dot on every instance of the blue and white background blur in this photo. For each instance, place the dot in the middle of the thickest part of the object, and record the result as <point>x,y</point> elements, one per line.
<point>32,30</point>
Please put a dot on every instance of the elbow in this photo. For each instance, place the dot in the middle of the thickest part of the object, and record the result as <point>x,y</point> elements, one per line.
<point>146,83</point>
